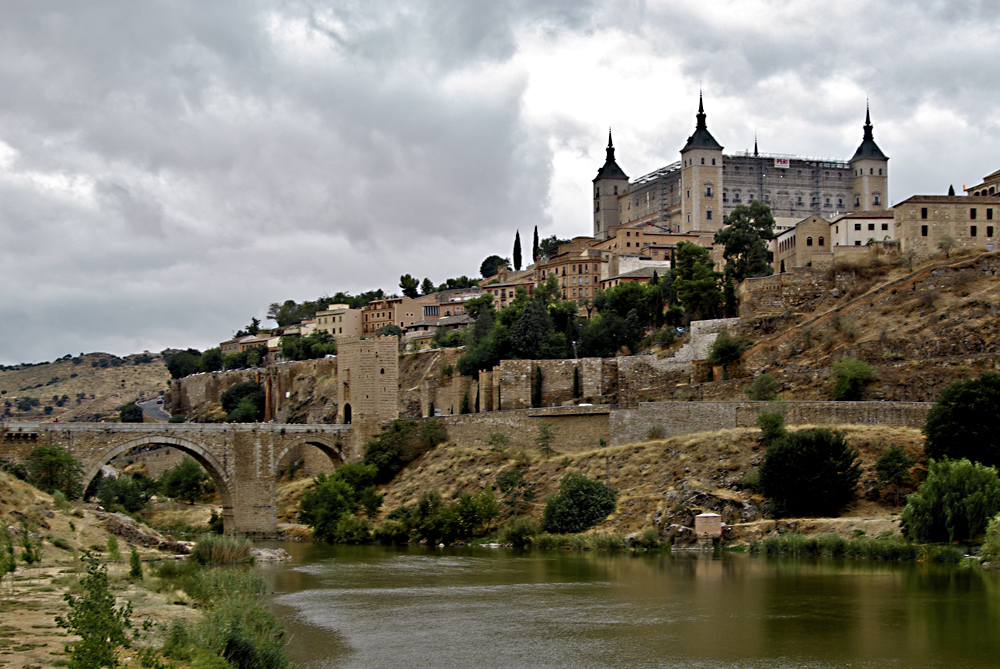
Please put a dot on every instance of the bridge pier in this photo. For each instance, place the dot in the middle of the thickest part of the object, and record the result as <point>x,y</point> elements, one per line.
<point>241,458</point>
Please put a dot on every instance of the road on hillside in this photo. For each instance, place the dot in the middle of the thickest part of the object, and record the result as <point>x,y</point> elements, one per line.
<point>154,410</point>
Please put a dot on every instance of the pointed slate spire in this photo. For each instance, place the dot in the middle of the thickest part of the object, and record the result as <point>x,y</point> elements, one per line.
<point>755,145</point>
<point>701,138</point>
<point>610,170</point>
<point>868,148</point>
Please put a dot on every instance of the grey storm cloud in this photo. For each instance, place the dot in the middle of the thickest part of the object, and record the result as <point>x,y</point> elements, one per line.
<point>167,169</point>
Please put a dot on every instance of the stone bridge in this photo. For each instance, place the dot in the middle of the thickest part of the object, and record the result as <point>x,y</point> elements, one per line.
<point>242,459</point>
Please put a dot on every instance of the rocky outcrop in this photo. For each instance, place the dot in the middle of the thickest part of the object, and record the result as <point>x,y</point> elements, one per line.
<point>132,532</point>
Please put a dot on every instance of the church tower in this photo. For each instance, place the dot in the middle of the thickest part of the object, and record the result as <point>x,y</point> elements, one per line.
<point>871,172</point>
<point>610,183</point>
<point>701,179</point>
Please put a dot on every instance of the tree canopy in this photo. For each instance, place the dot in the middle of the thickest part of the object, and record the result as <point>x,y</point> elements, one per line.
<point>491,265</point>
<point>744,241</point>
<point>409,285</point>
<point>965,421</point>
<point>695,282</point>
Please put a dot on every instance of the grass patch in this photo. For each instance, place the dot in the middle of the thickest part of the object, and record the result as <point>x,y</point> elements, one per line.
<point>888,548</point>
<point>222,550</point>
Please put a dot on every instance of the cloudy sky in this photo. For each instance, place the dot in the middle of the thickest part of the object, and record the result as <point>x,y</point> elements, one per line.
<point>168,169</point>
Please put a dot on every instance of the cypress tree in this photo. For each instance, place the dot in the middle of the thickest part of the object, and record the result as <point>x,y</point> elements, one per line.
<point>576,382</point>
<point>517,251</point>
<point>535,250</point>
<point>536,387</point>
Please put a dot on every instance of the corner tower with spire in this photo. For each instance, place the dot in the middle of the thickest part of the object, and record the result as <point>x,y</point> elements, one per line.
<point>871,172</point>
<point>610,184</point>
<point>701,179</point>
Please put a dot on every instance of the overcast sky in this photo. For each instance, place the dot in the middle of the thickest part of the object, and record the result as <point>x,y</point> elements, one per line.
<point>168,169</point>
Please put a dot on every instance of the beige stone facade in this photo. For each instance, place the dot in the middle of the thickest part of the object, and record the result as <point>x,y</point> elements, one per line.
<point>798,246</point>
<point>340,321</point>
<point>923,221</point>
<point>858,228</point>
<point>989,187</point>
<point>367,379</point>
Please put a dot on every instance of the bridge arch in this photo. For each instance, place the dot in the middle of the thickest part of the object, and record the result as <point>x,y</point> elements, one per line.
<point>332,448</point>
<point>201,455</point>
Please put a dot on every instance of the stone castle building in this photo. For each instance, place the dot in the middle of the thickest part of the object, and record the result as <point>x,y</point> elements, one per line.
<point>697,192</point>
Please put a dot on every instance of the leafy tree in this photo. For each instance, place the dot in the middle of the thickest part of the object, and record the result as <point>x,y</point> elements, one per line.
<point>580,504</point>
<point>530,335</point>
<point>515,488</point>
<point>695,282</point>
<point>184,363</point>
<point>51,468</point>
<point>550,244</point>
<point>129,492</point>
<point>102,627</point>
<point>186,482</point>
<point>947,245</point>
<point>763,389</point>
<point>772,424</point>
<point>726,349</point>
<point>322,507</point>
<point>409,285</point>
<point>318,344</point>
<point>810,472</point>
<point>492,265</point>
<point>965,421</point>
<point>744,241</point>
<point>251,329</point>
<point>211,360</point>
<point>605,334</point>
<point>517,251</point>
<point>546,435</point>
<point>396,446</point>
<point>427,287</point>
<point>251,410</point>
<point>892,470</point>
<point>850,377</point>
<point>130,413</point>
<point>954,503</point>
<point>458,282</point>
<point>134,565</point>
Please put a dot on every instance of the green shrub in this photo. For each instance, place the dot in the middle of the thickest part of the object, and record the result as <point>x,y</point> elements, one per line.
<point>810,472</point>
<point>892,470</point>
<point>243,402</point>
<point>213,549</point>
<point>102,627</point>
<point>605,541</point>
<point>546,435</point>
<point>396,446</point>
<point>353,530</point>
<point>751,480</point>
<point>965,423</point>
<point>130,413</point>
<point>850,378</point>
<point>392,533</point>
<point>498,442</point>
<point>771,424</point>
<point>518,532</point>
<point>51,467</point>
<point>954,503</point>
<point>113,553</point>
<point>62,544</point>
<point>654,433</point>
<point>131,493</point>
<point>134,565</point>
<point>763,389</point>
<point>649,538</point>
<point>726,349</point>
<point>990,550</point>
<point>187,481</point>
<point>580,504</point>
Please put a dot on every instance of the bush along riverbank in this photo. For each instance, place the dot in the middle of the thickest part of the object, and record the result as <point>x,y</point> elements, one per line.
<point>891,547</point>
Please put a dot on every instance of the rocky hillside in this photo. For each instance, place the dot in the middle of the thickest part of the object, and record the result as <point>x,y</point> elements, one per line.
<point>88,387</point>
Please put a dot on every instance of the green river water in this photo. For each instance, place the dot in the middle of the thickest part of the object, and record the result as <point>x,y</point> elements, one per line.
<point>415,607</point>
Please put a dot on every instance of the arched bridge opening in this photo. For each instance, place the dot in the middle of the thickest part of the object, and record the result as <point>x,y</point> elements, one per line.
<point>204,457</point>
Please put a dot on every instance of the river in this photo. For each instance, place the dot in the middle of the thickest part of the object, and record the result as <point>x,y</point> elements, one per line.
<point>370,606</point>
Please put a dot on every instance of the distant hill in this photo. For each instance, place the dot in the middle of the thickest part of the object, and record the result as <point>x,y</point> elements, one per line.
<point>88,387</point>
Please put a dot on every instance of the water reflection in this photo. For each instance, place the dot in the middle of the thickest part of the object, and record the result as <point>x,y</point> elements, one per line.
<point>372,607</point>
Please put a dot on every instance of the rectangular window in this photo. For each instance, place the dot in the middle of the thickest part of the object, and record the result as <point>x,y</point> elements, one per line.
<point>871,226</point>
<point>857,226</point>
<point>972,231</point>
<point>708,215</point>
<point>708,191</point>
<point>989,214</point>
<point>857,242</point>
<point>989,230</point>
<point>923,230</point>
<point>923,212</point>
<point>972,214</point>
<point>885,226</point>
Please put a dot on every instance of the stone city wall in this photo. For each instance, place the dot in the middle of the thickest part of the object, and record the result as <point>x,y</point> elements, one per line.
<point>679,418</point>
<point>574,428</point>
